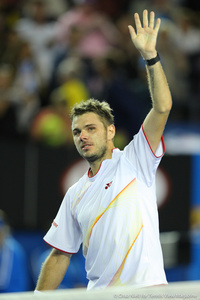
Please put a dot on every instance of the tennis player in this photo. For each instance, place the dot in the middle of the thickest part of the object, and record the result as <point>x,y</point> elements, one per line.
<point>112,209</point>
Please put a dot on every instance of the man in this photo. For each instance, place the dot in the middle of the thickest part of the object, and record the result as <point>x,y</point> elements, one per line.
<point>112,209</point>
<point>14,274</point>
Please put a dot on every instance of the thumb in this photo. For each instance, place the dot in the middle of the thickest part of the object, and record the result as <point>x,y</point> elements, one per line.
<point>132,32</point>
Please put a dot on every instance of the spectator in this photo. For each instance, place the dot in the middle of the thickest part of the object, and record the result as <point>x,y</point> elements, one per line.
<point>36,29</point>
<point>72,88</point>
<point>13,263</point>
<point>51,125</point>
<point>187,39</point>
<point>110,82</point>
<point>96,33</point>
<point>130,55</point>
<point>177,68</point>
<point>186,35</point>
<point>27,84</point>
<point>7,106</point>
<point>56,8</point>
<point>10,48</point>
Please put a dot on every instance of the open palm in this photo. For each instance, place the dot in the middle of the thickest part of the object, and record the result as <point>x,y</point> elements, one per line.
<point>145,37</point>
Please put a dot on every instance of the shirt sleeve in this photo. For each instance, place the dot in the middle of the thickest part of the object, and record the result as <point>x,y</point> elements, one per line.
<point>142,157</point>
<point>64,233</point>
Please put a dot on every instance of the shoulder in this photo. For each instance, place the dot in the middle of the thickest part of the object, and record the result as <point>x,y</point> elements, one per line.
<point>74,188</point>
<point>140,142</point>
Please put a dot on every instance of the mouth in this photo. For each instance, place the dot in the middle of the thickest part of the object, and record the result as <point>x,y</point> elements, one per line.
<point>86,146</point>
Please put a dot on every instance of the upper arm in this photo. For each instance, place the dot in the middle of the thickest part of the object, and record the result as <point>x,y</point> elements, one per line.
<point>153,127</point>
<point>60,256</point>
<point>65,233</point>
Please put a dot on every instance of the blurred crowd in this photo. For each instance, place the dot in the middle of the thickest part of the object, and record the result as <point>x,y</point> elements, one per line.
<point>20,268</point>
<point>56,53</point>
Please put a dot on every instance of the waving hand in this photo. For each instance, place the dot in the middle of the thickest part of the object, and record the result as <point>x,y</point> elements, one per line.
<point>144,37</point>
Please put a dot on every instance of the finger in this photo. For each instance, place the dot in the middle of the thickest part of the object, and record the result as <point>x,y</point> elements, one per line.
<point>145,18</point>
<point>157,27</point>
<point>152,19</point>
<point>137,21</point>
<point>132,32</point>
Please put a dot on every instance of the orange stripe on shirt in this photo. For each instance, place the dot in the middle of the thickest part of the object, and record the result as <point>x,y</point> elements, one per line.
<point>97,218</point>
<point>116,277</point>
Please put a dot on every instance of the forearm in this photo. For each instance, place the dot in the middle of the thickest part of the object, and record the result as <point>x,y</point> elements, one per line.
<point>159,89</point>
<point>53,270</point>
<point>145,38</point>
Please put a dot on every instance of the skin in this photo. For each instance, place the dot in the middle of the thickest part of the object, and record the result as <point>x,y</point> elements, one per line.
<point>53,270</point>
<point>144,38</point>
<point>94,142</point>
<point>92,139</point>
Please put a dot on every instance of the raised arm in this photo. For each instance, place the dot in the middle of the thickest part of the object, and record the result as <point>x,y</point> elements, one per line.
<point>144,39</point>
<point>53,270</point>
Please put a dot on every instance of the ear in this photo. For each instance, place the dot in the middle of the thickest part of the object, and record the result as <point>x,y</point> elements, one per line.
<point>111,132</point>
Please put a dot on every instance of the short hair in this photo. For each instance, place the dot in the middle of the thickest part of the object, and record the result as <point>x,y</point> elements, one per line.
<point>101,108</point>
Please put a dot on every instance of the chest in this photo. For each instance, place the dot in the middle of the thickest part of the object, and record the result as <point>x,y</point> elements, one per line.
<point>98,196</point>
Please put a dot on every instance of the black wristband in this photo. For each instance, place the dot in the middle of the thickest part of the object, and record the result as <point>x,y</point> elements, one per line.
<point>153,61</point>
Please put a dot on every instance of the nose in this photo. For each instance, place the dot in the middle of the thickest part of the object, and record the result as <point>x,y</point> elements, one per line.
<point>83,135</point>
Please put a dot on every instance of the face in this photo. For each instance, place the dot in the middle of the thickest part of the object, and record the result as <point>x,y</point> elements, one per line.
<point>92,140</point>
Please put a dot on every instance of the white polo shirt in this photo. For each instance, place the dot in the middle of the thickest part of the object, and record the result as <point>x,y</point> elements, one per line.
<point>114,216</point>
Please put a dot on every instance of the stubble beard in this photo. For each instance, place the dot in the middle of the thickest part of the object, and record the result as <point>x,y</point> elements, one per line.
<point>97,156</point>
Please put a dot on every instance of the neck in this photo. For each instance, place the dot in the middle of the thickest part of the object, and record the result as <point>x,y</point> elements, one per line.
<point>94,169</point>
<point>94,166</point>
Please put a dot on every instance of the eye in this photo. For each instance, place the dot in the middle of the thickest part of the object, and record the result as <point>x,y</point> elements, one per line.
<point>91,128</point>
<point>76,133</point>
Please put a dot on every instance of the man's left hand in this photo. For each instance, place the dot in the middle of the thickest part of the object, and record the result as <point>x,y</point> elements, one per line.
<point>145,37</point>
